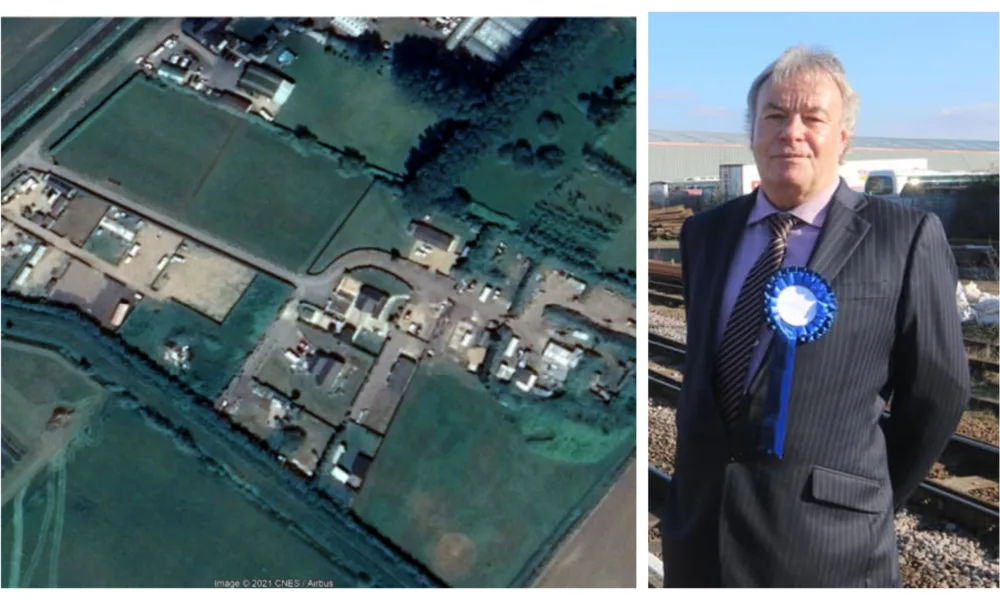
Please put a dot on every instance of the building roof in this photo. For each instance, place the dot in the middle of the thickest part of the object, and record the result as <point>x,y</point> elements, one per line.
<point>265,82</point>
<point>704,138</point>
<point>325,366</point>
<point>559,354</point>
<point>371,300</point>
<point>360,465</point>
<point>172,72</point>
<point>431,235</point>
<point>402,371</point>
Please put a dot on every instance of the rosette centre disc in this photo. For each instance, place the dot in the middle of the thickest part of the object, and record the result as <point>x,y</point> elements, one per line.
<point>797,305</point>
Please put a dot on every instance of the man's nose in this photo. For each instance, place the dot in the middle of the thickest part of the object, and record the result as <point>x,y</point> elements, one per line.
<point>793,129</point>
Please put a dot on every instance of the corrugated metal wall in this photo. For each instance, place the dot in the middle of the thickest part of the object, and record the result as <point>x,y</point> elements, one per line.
<point>674,163</point>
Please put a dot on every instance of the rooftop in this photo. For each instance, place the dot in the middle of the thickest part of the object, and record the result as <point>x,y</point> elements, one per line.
<point>427,233</point>
<point>705,138</point>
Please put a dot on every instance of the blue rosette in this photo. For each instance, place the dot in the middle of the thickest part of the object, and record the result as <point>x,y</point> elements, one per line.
<point>800,307</point>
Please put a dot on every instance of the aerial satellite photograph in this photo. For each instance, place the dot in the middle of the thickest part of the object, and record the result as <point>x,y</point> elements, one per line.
<point>318,302</point>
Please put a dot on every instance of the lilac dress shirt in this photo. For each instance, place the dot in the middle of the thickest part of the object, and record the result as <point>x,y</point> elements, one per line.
<point>756,235</point>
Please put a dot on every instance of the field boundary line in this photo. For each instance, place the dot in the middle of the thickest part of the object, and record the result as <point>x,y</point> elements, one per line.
<point>317,253</point>
<point>212,163</point>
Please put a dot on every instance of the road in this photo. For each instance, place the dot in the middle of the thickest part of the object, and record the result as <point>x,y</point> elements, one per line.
<point>89,41</point>
<point>601,551</point>
<point>124,60</point>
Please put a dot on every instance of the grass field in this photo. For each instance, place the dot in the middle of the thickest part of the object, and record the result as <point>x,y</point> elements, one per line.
<point>30,44</point>
<point>491,181</point>
<point>46,378</point>
<point>348,104</point>
<point>619,253</point>
<point>355,557</point>
<point>129,509</point>
<point>215,171</point>
<point>218,350</point>
<point>379,221</point>
<point>598,199</point>
<point>453,455</point>
<point>619,140</point>
<point>157,143</point>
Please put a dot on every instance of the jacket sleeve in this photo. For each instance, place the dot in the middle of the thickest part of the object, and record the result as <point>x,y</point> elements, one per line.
<point>930,369</point>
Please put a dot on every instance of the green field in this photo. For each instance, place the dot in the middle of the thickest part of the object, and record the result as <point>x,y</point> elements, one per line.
<point>452,455</point>
<point>30,44</point>
<point>379,221</point>
<point>619,140</point>
<point>39,378</point>
<point>215,171</point>
<point>218,350</point>
<point>126,507</point>
<point>491,181</point>
<point>348,104</point>
<point>355,557</point>
<point>619,253</point>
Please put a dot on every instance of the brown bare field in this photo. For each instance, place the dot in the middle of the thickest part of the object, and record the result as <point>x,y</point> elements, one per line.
<point>154,243</point>
<point>80,218</point>
<point>601,553</point>
<point>206,281</point>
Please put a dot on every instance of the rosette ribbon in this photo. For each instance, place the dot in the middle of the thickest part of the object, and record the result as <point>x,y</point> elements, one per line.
<point>799,307</point>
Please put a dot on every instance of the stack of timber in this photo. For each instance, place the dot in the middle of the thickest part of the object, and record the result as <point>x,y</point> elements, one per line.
<point>665,223</point>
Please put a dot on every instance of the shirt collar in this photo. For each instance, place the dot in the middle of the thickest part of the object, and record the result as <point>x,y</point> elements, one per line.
<point>812,211</point>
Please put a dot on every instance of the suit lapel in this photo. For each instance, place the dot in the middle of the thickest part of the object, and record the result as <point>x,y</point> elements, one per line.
<point>841,235</point>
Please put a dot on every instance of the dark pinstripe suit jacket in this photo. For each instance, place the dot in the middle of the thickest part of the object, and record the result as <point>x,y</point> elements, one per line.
<point>822,516</point>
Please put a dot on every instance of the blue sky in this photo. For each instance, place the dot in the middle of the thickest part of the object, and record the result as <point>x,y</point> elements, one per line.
<point>933,75</point>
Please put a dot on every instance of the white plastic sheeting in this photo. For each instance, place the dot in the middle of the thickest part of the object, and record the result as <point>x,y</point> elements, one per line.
<point>976,306</point>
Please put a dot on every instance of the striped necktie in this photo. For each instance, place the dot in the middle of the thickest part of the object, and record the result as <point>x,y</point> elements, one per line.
<point>744,325</point>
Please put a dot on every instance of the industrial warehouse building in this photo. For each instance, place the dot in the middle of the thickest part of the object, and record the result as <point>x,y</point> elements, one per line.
<point>676,156</point>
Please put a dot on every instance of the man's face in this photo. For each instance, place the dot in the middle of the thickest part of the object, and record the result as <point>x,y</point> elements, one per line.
<point>798,139</point>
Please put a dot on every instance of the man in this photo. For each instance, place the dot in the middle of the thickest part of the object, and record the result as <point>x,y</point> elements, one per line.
<point>822,515</point>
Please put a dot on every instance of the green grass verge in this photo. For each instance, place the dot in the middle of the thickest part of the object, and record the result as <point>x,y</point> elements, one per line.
<point>383,280</point>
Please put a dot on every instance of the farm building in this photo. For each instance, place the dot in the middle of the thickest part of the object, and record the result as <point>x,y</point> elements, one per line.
<point>324,367</point>
<point>401,373</point>
<point>371,300</point>
<point>172,73</point>
<point>430,235</point>
<point>259,81</point>
<point>682,155</point>
<point>352,26</point>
